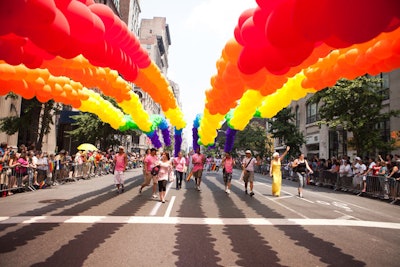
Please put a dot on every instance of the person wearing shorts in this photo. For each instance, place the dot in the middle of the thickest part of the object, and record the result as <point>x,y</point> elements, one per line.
<point>227,169</point>
<point>248,171</point>
<point>149,162</point>
<point>198,161</point>
<point>120,162</point>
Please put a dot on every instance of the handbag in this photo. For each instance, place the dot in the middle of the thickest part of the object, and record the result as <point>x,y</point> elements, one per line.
<point>155,170</point>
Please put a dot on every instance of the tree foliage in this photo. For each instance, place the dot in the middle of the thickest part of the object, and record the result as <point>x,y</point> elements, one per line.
<point>356,106</point>
<point>283,128</point>
<point>253,137</point>
<point>88,128</point>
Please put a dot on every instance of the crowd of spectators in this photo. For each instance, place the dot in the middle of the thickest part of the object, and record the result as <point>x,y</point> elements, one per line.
<point>25,167</point>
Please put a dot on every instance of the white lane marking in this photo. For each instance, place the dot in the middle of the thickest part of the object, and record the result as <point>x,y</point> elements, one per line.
<point>157,206</point>
<point>197,221</point>
<point>274,199</point>
<point>169,209</point>
<point>345,216</point>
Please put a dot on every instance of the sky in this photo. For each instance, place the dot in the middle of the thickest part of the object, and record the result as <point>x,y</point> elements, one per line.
<point>199,30</point>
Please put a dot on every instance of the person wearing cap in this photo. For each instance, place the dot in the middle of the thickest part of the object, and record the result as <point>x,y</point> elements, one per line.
<point>276,173</point>
<point>248,171</point>
<point>120,162</point>
<point>300,166</point>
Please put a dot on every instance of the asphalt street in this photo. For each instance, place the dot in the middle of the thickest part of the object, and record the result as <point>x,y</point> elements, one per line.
<point>87,223</point>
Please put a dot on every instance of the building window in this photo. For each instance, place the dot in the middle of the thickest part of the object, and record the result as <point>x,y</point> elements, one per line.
<point>311,110</point>
<point>384,127</point>
<point>385,86</point>
<point>297,116</point>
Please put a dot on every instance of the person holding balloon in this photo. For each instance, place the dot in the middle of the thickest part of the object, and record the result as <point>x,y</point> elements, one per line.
<point>276,173</point>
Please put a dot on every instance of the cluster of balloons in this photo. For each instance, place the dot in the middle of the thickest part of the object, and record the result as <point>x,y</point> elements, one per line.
<point>56,49</point>
<point>284,49</point>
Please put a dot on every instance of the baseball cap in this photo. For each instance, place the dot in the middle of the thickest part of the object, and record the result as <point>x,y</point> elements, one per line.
<point>248,152</point>
<point>358,158</point>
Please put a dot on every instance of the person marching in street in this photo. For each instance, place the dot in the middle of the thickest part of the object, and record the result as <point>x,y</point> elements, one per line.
<point>198,161</point>
<point>179,164</point>
<point>276,173</point>
<point>120,162</point>
<point>227,168</point>
<point>248,164</point>
<point>300,167</point>
<point>163,175</point>
<point>149,162</point>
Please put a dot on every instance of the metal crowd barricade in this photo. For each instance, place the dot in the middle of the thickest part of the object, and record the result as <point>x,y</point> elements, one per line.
<point>287,173</point>
<point>327,178</point>
<point>13,180</point>
<point>394,189</point>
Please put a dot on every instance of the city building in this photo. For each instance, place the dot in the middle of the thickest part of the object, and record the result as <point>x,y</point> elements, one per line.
<point>325,142</point>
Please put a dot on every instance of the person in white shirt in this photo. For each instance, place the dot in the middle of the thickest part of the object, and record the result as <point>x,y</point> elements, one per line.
<point>218,162</point>
<point>358,169</point>
<point>368,171</point>
<point>248,164</point>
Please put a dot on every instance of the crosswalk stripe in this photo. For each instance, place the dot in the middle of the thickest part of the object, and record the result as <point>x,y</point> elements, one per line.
<point>194,221</point>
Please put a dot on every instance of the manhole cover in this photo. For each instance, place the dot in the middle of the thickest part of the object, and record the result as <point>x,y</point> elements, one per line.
<point>52,200</point>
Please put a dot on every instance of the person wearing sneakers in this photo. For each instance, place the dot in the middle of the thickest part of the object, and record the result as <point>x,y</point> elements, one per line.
<point>227,169</point>
<point>248,164</point>
<point>198,161</point>
<point>149,162</point>
<point>120,162</point>
<point>300,166</point>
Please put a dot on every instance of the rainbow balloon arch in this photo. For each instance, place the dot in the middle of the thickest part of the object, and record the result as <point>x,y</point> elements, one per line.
<point>58,49</point>
<point>281,51</point>
<point>284,49</point>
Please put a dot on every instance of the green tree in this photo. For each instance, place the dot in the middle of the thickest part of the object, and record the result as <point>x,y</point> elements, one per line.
<point>253,137</point>
<point>283,128</point>
<point>356,105</point>
<point>34,122</point>
<point>88,128</point>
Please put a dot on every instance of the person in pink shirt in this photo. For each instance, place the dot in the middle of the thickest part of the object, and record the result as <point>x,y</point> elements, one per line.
<point>179,164</point>
<point>198,161</point>
<point>227,169</point>
<point>163,175</point>
<point>149,162</point>
<point>120,162</point>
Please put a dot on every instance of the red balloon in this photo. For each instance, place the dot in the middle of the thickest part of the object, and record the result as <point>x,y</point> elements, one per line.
<point>280,29</point>
<point>245,15</point>
<point>252,35</point>
<point>359,22</point>
<point>309,18</point>
<point>80,20</point>
<point>268,4</point>
<point>104,13</point>
<point>238,35</point>
<point>57,34</point>
<point>251,60</point>
<point>261,16</point>
<point>10,14</point>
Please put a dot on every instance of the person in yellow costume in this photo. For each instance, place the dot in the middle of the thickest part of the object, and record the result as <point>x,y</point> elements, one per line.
<point>276,173</point>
